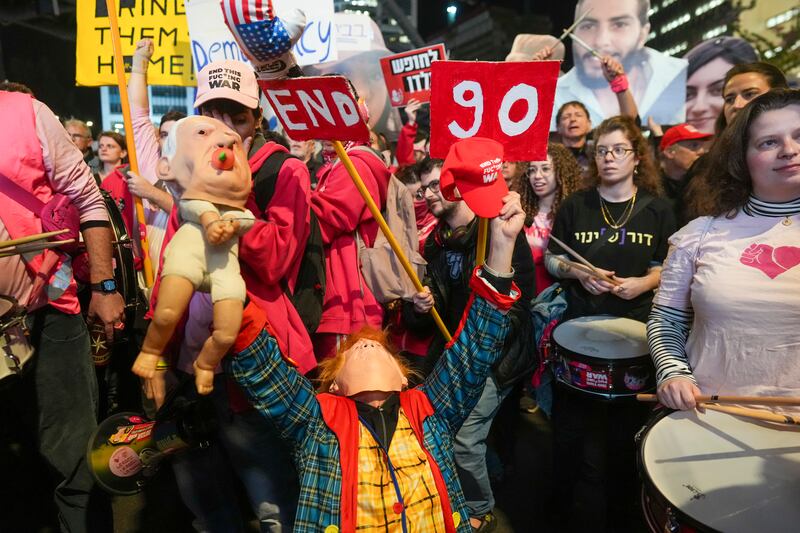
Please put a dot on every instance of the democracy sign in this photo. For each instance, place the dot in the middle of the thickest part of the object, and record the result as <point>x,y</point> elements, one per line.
<point>316,108</point>
<point>508,102</point>
<point>408,75</point>
<point>164,21</point>
<point>211,40</point>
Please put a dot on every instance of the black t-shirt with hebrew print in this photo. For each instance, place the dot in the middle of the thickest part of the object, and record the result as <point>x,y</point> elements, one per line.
<point>640,243</point>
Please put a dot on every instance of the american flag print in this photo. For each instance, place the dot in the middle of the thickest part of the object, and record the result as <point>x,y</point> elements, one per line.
<point>263,36</point>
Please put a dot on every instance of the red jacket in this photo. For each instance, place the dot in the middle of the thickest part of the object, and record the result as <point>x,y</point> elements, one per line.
<point>341,211</point>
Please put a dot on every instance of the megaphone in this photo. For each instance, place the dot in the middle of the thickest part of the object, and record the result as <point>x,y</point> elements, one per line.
<point>126,449</point>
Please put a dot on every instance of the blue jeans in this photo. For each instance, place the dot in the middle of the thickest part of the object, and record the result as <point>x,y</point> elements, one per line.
<point>250,449</point>
<point>56,400</point>
<point>470,449</point>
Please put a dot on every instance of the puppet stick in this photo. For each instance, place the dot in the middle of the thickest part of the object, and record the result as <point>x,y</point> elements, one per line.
<point>31,238</point>
<point>574,24</point>
<point>753,413</point>
<point>126,118</point>
<point>583,260</point>
<point>483,230</point>
<point>752,400</point>
<point>581,42</point>
<point>376,213</point>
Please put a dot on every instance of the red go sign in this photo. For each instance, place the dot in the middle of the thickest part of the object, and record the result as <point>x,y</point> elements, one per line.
<point>316,108</point>
<point>508,102</point>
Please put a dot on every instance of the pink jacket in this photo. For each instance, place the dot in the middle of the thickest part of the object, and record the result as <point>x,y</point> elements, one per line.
<point>348,303</point>
<point>39,157</point>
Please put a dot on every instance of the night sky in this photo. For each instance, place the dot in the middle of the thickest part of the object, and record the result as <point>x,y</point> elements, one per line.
<point>47,63</point>
<point>433,17</point>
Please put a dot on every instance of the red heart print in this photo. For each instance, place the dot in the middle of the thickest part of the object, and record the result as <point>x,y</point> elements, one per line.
<point>771,261</point>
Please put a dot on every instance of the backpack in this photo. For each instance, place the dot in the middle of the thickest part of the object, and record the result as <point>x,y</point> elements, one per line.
<point>382,270</point>
<point>309,290</point>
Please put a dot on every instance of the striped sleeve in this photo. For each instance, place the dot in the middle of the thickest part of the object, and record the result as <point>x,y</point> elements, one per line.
<point>667,331</point>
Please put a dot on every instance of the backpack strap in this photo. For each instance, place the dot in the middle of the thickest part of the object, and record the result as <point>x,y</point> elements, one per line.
<point>267,177</point>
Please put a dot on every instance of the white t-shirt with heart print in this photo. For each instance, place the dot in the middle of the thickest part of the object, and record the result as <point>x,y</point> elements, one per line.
<point>741,276</point>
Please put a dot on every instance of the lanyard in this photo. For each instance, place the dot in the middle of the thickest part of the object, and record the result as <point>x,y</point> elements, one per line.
<point>392,473</point>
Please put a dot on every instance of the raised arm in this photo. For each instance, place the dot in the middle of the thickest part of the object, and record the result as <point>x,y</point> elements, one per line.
<point>615,74</point>
<point>457,380</point>
<point>274,387</point>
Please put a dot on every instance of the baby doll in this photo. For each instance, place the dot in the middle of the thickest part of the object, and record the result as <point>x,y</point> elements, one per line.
<point>208,163</point>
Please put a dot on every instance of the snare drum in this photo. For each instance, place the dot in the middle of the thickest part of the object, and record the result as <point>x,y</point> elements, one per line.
<point>718,472</point>
<point>15,346</point>
<point>603,356</point>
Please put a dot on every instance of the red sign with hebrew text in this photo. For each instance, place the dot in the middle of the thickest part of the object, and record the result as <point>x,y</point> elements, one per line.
<point>509,102</point>
<point>316,108</point>
<point>408,75</point>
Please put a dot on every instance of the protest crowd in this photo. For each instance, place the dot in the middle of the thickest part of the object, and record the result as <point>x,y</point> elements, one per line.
<point>211,302</point>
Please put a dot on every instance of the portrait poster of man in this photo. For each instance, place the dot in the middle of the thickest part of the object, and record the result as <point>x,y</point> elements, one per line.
<point>620,28</point>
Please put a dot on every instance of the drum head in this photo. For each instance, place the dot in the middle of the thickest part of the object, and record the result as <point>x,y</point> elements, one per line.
<point>604,337</point>
<point>728,473</point>
<point>6,305</point>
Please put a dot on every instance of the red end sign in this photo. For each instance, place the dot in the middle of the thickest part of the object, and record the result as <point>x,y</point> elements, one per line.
<point>508,102</point>
<point>316,108</point>
<point>408,75</point>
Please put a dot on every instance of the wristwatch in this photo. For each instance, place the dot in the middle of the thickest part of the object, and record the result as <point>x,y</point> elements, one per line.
<point>107,286</point>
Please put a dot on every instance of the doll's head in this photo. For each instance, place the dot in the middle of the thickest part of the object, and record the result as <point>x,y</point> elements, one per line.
<point>207,161</point>
<point>365,362</point>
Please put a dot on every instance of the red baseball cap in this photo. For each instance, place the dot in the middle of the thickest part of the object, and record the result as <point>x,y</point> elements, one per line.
<point>681,132</point>
<point>473,167</point>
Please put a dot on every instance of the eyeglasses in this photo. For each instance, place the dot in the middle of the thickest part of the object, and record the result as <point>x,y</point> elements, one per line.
<point>618,152</point>
<point>543,170</point>
<point>432,186</point>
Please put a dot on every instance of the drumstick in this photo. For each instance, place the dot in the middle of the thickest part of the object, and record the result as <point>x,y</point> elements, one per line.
<point>33,247</point>
<point>753,413</point>
<point>748,400</point>
<point>581,42</point>
<point>31,238</point>
<point>580,258</point>
<point>574,24</point>
<point>588,271</point>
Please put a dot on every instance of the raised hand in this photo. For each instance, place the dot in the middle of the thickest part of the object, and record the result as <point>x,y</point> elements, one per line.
<point>612,68</point>
<point>412,107</point>
<point>141,56</point>
<point>505,228</point>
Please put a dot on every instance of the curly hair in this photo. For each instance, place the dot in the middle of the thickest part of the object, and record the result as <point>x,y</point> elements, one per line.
<point>646,175</point>
<point>726,184</point>
<point>330,367</point>
<point>568,180</point>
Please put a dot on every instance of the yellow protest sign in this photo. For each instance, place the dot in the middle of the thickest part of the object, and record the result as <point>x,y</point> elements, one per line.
<point>164,21</point>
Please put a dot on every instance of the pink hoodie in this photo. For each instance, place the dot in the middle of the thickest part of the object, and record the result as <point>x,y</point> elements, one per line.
<point>348,303</point>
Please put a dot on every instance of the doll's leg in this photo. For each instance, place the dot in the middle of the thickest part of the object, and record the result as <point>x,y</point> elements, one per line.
<point>227,321</point>
<point>173,299</point>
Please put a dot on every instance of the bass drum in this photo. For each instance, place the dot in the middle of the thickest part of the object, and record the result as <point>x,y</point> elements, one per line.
<point>123,260</point>
<point>124,257</point>
<point>715,472</point>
